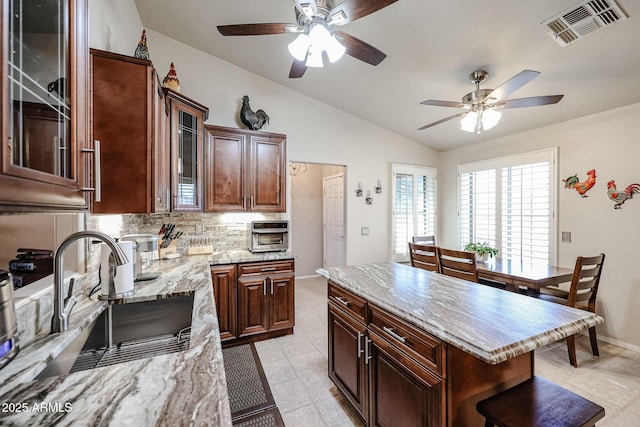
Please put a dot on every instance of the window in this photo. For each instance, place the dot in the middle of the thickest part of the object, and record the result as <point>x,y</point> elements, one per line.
<point>414,206</point>
<point>510,203</point>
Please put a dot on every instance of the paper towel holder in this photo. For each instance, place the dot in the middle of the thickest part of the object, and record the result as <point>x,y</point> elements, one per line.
<point>112,291</point>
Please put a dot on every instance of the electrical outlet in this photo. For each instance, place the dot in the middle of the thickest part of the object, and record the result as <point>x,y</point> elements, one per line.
<point>364,231</point>
<point>566,237</point>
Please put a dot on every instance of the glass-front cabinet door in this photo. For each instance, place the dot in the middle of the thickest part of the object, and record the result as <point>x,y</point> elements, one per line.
<point>187,132</point>
<point>44,103</point>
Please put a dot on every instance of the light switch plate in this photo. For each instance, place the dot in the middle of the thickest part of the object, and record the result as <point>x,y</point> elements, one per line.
<point>566,237</point>
<point>364,231</point>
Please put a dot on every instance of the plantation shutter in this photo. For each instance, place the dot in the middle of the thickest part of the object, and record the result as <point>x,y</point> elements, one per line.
<point>509,203</point>
<point>414,206</point>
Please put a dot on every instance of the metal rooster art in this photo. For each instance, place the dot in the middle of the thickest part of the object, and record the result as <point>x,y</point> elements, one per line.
<point>581,187</point>
<point>619,197</point>
<point>57,86</point>
<point>253,120</point>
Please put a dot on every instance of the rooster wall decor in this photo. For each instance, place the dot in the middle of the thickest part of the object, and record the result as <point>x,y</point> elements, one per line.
<point>253,120</point>
<point>581,187</point>
<point>619,197</point>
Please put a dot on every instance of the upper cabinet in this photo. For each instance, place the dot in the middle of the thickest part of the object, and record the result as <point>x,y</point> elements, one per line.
<point>128,116</point>
<point>187,154</point>
<point>45,160</point>
<point>245,170</point>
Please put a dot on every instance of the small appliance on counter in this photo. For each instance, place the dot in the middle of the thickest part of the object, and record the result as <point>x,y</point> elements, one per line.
<point>8,328</point>
<point>145,250</point>
<point>30,265</point>
<point>269,236</point>
<point>121,275</point>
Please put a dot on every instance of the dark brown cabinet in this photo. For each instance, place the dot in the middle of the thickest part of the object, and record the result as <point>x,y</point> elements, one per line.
<point>127,121</point>
<point>254,300</point>
<point>224,291</point>
<point>245,170</point>
<point>45,155</point>
<point>265,297</point>
<point>391,373</point>
<point>187,154</point>
<point>348,366</point>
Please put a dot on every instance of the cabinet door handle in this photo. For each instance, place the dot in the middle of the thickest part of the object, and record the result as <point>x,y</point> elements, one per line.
<point>393,334</point>
<point>271,287</point>
<point>168,199</point>
<point>360,350</point>
<point>97,186</point>
<point>264,287</point>
<point>367,356</point>
<point>343,301</point>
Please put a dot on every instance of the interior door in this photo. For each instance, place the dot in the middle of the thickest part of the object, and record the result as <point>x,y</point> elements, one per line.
<point>333,220</point>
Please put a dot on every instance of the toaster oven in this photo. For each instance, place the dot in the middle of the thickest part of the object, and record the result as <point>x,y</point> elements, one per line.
<point>269,236</point>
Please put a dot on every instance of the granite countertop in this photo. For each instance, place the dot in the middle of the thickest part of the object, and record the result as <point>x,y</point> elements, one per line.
<point>185,388</point>
<point>240,256</point>
<point>490,324</point>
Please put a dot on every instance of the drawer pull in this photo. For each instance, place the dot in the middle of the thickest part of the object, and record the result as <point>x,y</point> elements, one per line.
<point>269,269</point>
<point>393,334</point>
<point>343,301</point>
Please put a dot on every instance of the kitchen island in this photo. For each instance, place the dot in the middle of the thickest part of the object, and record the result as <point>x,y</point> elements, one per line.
<point>408,345</point>
<point>177,389</point>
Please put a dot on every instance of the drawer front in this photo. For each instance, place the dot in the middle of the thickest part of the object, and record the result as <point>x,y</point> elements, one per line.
<point>265,267</point>
<point>423,347</point>
<point>349,302</point>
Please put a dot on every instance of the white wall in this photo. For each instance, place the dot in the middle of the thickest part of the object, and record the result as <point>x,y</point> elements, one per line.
<point>607,142</point>
<point>114,26</point>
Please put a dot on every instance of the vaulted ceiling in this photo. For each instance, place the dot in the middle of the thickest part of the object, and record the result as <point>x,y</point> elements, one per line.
<point>431,48</point>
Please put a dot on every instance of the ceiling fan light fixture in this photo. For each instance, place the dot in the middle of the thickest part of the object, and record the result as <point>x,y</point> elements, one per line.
<point>314,57</point>
<point>490,118</point>
<point>478,121</point>
<point>334,49</point>
<point>299,47</point>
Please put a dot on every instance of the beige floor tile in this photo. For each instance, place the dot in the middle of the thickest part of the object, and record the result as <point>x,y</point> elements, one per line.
<point>307,416</point>
<point>290,395</point>
<point>335,413</point>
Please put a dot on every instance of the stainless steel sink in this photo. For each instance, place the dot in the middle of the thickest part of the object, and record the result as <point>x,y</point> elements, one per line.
<point>126,332</point>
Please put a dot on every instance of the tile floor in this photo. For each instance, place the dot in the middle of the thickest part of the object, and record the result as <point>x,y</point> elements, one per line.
<point>296,368</point>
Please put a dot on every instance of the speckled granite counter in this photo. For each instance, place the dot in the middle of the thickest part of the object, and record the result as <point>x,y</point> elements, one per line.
<point>490,324</point>
<point>239,256</point>
<point>178,389</point>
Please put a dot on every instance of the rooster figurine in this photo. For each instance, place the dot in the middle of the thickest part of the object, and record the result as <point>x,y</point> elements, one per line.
<point>619,197</point>
<point>171,81</point>
<point>142,52</point>
<point>253,121</point>
<point>581,187</point>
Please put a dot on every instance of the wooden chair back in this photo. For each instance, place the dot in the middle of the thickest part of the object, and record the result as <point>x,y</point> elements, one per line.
<point>424,256</point>
<point>585,281</point>
<point>425,240</point>
<point>460,264</point>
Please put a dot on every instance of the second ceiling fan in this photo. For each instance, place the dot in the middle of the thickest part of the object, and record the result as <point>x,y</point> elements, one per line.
<point>481,105</point>
<point>315,22</point>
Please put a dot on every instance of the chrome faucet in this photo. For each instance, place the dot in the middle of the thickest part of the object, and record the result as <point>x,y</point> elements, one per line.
<point>62,306</point>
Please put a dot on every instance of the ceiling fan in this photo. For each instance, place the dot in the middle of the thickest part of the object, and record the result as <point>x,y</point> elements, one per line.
<point>482,105</point>
<point>315,22</point>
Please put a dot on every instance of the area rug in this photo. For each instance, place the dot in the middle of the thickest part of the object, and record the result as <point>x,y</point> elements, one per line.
<point>250,397</point>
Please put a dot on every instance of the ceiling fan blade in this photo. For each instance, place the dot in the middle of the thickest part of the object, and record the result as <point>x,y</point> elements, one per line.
<point>446,119</point>
<point>534,101</point>
<point>511,85</point>
<point>308,7</point>
<point>356,9</point>
<point>361,50</point>
<point>256,29</point>
<point>298,69</point>
<point>444,103</point>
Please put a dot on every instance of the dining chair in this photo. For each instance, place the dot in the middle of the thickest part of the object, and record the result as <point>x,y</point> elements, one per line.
<point>581,294</point>
<point>424,256</point>
<point>460,264</point>
<point>425,240</point>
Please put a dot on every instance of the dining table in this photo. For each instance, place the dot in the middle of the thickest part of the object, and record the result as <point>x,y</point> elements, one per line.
<point>519,274</point>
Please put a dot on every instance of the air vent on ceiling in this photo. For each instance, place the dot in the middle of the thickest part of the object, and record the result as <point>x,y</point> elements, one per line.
<point>582,19</point>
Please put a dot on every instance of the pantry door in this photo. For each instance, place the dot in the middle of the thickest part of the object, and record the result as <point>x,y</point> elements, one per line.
<point>333,220</point>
